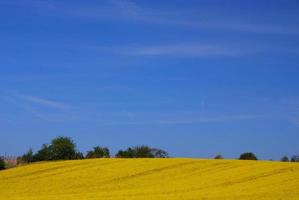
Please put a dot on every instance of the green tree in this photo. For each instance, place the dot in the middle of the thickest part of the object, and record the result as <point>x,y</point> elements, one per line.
<point>120,154</point>
<point>285,159</point>
<point>2,163</point>
<point>141,152</point>
<point>79,156</point>
<point>129,153</point>
<point>27,157</point>
<point>63,148</point>
<point>98,152</point>
<point>45,153</point>
<point>248,156</point>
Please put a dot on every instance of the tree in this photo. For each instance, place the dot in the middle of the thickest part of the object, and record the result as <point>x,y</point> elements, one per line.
<point>98,152</point>
<point>63,148</point>
<point>45,153</point>
<point>285,159</point>
<point>141,152</point>
<point>27,157</point>
<point>79,156</point>
<point>129,153</point>
<point>295,158</point>
<point>218,156</point>
<point>2,163</point>
<point>248,156</point>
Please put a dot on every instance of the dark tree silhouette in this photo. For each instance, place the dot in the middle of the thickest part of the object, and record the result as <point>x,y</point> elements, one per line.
<point>2,163</point>
<point>61,148</point>
<point>219,156</point>
<point>248,156</point>
<point>285,159</point>
<point>141,152</point>
<point>98,152</point>
<point>28,157</point>
<point>45,153</point>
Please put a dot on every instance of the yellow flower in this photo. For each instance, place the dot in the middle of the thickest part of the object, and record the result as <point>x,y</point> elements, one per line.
<point>151,179</point>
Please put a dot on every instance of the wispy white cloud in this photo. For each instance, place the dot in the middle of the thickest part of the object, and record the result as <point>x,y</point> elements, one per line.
<point>34,106</point>
<point>181,50</point>
<point>17,97</point>
<point>44,102</point>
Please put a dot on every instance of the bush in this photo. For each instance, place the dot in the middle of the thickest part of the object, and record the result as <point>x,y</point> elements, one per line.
<point>218,157</point>
<point>98,152</point>
<point>284,159</point>
<point>141,152</point>
<point>2,163</point>
<point>248,156</point>
<point>159,153</point>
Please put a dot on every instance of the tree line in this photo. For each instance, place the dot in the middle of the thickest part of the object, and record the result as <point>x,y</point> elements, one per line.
<point>64,148</point>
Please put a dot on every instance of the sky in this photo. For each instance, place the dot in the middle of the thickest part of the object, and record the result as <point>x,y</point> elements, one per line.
<point>196,78</point>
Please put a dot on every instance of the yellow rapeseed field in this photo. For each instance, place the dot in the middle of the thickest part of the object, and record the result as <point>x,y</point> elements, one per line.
<point>147,179</point>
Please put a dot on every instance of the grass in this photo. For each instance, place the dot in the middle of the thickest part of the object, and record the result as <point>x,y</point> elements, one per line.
<point>177,179</point>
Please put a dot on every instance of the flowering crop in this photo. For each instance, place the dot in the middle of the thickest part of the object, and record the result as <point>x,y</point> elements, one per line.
<point>151,179</point>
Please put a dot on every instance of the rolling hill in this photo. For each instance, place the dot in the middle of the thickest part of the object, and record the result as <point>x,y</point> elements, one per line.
<point>178,179</point>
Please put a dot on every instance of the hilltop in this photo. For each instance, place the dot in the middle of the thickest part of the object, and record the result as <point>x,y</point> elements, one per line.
<point>174,178</point>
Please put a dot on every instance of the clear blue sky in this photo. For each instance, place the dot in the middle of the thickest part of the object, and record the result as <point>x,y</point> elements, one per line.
<point>196,78</point>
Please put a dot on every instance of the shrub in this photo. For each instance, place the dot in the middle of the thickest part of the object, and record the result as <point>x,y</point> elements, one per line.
<point>45,153</point>
<point>129,153</point>
<point>2,163</point>
<point>141,152</point>
<point>159,153</point>
<point>218,156</point>
<point>98,152</point>
<point>248,156</point>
